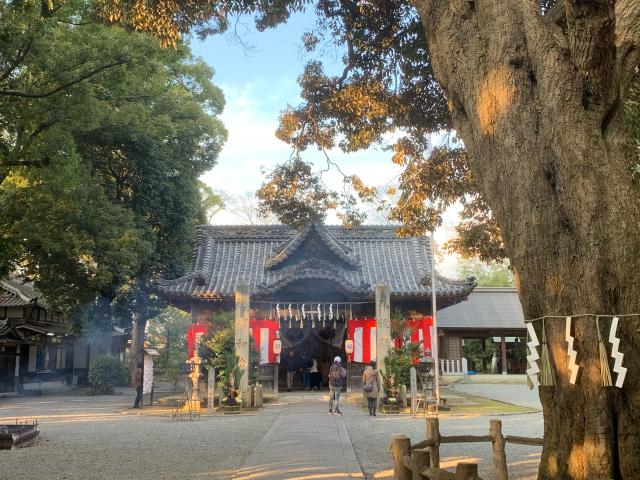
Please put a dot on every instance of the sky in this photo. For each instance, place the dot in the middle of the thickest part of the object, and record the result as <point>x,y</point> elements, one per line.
<point>258,75</point>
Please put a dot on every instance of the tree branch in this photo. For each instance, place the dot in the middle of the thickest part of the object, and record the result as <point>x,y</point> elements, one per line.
<point>18,93</point>
<point>591,38</point>
<point>17,60</point>
<point>627,41</point>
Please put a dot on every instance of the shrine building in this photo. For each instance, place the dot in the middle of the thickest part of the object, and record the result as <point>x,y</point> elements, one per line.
<point>313,288</point>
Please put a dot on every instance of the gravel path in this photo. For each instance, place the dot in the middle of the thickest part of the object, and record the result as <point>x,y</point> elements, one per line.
<point>370,439</point>
<point>78,443</point>
<point>88,438</point>
<point>514,394</point>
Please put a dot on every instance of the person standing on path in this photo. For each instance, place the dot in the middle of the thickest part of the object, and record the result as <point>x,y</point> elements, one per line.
<point>371,386</point>
<point>306,364</point>
<point>292,367</point>
<point>337,375</point>
<point>137,384</point>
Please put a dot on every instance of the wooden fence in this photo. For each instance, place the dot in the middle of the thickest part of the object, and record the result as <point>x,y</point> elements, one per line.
<point>422,460</point>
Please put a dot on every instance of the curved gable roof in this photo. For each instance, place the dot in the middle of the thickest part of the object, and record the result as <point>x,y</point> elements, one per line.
<point>227,256</point>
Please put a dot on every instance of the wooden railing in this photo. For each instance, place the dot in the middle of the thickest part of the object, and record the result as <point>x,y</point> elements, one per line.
<point>421,461</point>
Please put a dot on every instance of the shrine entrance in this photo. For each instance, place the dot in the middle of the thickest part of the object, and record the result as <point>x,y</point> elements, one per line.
<point>311,335</point>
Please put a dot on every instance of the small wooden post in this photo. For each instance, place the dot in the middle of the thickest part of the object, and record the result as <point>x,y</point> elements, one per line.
<point>420,461</point>
<point>466,471</point>
<point>399,447</point>
<point>433,438</point>
<point>499,455</point>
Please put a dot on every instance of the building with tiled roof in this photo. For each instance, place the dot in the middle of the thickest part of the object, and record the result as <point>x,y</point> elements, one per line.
<point>319,263</point>
<point>36,350</point>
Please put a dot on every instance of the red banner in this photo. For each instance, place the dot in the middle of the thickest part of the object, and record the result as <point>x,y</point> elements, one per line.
<point>363,333</point>
<point>264,334</point>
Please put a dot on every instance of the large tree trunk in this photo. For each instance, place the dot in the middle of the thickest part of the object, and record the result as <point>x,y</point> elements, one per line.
<point>138,327</point>
<point>539,111</point>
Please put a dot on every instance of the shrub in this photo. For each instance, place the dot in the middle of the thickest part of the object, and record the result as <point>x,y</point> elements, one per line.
<point>106,372</point>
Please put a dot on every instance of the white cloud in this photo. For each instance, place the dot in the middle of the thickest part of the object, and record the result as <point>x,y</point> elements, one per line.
<point>251,118</point>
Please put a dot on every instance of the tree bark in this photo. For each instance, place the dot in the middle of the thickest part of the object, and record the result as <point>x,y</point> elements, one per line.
<point>538,109</point>
<point>138,326</point>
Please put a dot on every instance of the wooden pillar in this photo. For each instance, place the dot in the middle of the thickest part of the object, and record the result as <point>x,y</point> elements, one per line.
<point>399,448</point>
<point>242,339</point>
<point>466,471</point>
<point>484,354</point>
<point>420,462</point>
<point>499,455</point>
<point>433,439</point>
<point>503,343</point>
<point>383,323</point>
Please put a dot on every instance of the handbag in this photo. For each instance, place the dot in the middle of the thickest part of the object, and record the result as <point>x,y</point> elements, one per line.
<point>368,388</point>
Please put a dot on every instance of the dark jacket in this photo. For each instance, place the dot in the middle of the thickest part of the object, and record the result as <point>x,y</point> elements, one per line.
<point>137,378</point>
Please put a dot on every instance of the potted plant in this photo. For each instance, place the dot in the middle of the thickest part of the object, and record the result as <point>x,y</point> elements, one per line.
<point>232,403</point>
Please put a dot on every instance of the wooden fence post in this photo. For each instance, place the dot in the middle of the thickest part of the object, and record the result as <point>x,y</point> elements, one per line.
<point>499,455</point>
<point>433,439</point>
<point>420,461</point>
<point>466,471</point>
<point>400,446</point>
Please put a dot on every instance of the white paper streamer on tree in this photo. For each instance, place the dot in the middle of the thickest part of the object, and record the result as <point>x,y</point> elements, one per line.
<point>571,352</point>
<point>616,354</point>
<point>533,357</point>
<point>290,315</point>
<point>330,312</point>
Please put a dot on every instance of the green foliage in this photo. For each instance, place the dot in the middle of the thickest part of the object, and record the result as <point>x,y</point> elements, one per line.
<point>167,333</point>
<point>472,351</point>
<point>217,350</point>
<point>100,158</point>
<point>494,274</point>
<point>397,368</point>
<point>210,202</point>
<point>106,372</point>
<point>295,195</point>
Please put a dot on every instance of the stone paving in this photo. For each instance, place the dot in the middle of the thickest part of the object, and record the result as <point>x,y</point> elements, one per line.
<point>304,443</point>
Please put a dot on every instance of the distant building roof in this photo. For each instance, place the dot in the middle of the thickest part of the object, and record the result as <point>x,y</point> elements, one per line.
<point>486,308</point>
<point>268,258</point>
<point>15,292</point>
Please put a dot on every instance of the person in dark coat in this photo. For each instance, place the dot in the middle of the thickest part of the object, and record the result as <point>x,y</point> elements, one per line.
<point>137,384</point>
<point>292,365</point>
<point>371,386</point>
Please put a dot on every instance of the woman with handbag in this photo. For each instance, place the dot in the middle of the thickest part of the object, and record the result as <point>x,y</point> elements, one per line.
<point>371,386</point>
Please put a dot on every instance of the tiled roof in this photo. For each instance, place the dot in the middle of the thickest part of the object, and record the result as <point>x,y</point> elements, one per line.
<point>266,258</point>
<point>16,293</point>
<point>485,308</point>
<point>8,333</point>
